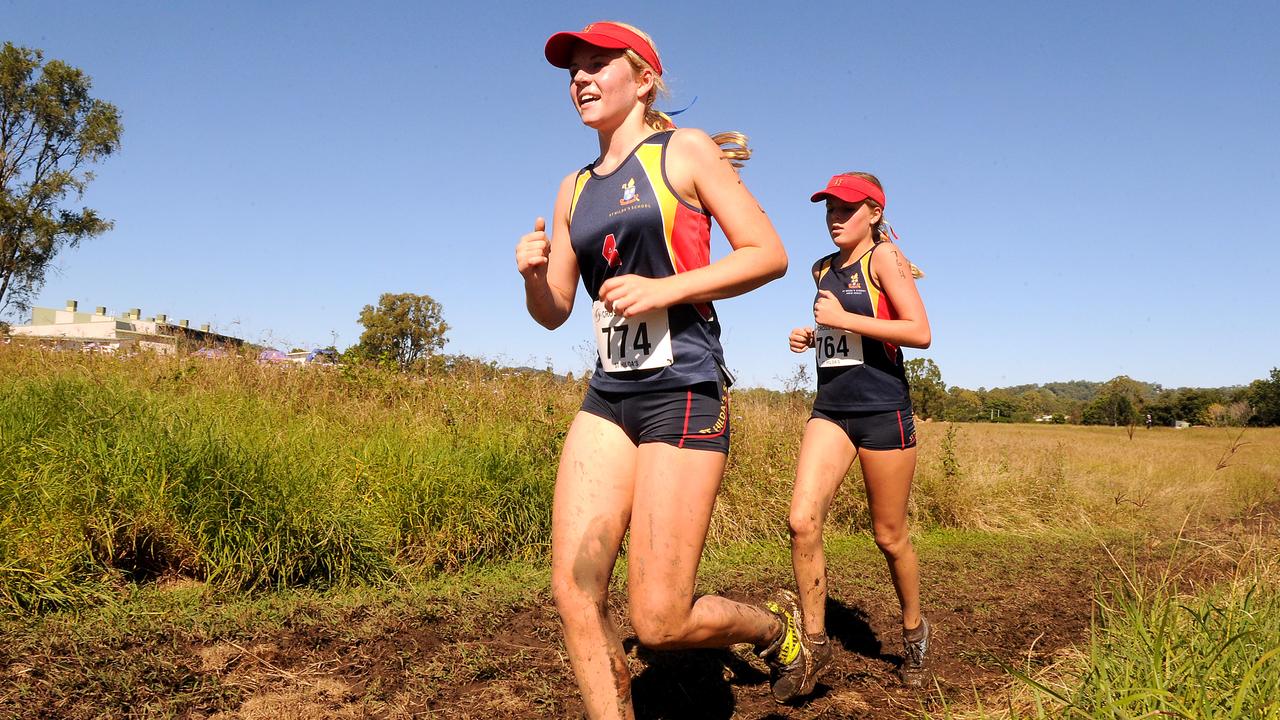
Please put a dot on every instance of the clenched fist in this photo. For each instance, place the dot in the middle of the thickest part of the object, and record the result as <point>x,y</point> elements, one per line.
<point>801,339</point>
<point>533,250</point>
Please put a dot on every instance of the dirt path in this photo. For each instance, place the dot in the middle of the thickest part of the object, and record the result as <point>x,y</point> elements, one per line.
<point>1014,603</point>
<point>991,599</point>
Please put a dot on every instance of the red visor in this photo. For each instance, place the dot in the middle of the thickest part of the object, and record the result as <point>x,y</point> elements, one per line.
<point>851,189</point>
<point>559,50</point>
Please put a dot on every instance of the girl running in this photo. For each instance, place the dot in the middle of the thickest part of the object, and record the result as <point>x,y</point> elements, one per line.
<point>647,450</point>
<point>866,308</point>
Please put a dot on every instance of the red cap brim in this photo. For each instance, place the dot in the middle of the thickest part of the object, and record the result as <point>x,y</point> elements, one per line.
<point>851,189</point>
<point>847,194</point>
<point>559,50</point>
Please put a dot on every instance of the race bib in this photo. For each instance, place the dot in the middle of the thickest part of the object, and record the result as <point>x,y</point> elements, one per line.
<point>837,348</point>
<point>642,342</point>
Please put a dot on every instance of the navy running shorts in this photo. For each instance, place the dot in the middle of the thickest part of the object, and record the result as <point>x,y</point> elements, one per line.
<point>874,430</point>
<point>694,417</point>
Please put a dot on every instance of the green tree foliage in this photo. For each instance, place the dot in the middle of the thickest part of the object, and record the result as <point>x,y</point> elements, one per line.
<point>1119,403</point>
<point>1189,405</point>
<point>50,128</point>
<point>1264,396</point>
<point>963,404</point>
<point>403,329</point>
<point>999,405</point>
<point>928,392</point>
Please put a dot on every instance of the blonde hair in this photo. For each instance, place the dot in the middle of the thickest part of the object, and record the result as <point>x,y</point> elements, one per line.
<point>881,230</point>
<point>733,144</point>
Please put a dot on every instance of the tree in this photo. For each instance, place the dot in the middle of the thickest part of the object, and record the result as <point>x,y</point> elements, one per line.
<point>928,392</point>
<point>1264,396</point>
<point>1117,404</point>
<point>403,329</point>
<point>963,404</point>
<point>50,128</point>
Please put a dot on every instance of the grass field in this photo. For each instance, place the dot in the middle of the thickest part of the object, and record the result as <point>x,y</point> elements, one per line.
<point>195,537</point>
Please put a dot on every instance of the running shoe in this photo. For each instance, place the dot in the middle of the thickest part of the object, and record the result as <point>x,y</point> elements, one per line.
<point>915,670</point>
<point>789,659</point>
<point>820,656</point>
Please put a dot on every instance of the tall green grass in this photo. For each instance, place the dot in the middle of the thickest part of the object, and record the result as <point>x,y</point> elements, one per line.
<point>1156,651</point>
<point>254,477</point>
<point>123,469</point>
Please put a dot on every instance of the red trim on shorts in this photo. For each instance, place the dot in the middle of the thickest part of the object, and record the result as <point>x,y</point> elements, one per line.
<point>902,433</point>
<point>688,407</point>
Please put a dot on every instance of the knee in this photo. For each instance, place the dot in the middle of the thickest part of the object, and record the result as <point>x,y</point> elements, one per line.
<point>805,526</point>
<point>572,599</point>
<point>658,626</point>
<point>893,542</point>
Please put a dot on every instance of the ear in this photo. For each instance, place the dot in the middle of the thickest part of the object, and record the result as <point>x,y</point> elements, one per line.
<point>644,82</point>
<point>877,214</point>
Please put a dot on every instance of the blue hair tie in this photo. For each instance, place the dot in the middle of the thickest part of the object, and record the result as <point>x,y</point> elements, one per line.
<point>686,107</point>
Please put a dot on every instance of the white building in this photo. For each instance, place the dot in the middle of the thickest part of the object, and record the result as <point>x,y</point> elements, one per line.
<point>112,333</point>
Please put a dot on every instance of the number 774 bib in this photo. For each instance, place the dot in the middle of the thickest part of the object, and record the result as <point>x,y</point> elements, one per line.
<point>640,342</point>
<point>837,347</point>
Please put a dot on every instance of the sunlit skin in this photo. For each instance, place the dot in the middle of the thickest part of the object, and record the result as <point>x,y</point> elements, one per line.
<point>826,453</point>
<point>605,485</point>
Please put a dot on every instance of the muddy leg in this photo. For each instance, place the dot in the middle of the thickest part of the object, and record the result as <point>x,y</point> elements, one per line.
<point>589,517</point>
<point>825,456</point>
<point>674,496</point>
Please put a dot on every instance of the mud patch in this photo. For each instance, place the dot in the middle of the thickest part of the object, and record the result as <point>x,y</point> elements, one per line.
<point>1003,600</point>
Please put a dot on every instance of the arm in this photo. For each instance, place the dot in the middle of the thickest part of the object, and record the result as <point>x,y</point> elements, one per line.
<point>550,274</point>
<point>891,271</point>
<point>697,169</point>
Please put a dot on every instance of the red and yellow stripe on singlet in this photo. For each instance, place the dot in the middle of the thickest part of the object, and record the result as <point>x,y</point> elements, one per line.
<point>881,308</point>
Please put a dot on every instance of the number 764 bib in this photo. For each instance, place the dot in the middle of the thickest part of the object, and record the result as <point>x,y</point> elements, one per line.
<point>640,342</point>
<point>837,347</point>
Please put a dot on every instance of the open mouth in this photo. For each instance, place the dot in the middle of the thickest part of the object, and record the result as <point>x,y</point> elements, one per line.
<point>586,99</point>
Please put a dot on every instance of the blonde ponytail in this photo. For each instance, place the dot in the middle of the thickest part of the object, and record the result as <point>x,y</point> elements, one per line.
<point>733,145</point>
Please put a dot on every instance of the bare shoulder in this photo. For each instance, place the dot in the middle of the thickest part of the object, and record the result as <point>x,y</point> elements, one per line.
<point>817,267</point>
<point>888,261</point>
<point>694,143</point>
<point>569,181</point>
<point>888,251</point>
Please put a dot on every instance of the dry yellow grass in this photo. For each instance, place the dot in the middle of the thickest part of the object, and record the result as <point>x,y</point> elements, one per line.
<point>1014,477</point>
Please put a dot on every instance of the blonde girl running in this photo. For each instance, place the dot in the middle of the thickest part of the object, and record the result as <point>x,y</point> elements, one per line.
<point>647,451</point>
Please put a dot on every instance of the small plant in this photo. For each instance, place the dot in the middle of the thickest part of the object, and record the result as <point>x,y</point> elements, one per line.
<point>1229,453</point>
<point>950,460</point>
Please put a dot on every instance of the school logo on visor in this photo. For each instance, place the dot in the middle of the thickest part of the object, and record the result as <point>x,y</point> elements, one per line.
<point>629,194</point>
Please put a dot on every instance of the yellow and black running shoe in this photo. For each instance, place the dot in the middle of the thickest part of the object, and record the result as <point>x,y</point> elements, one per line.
<point>787,656</point>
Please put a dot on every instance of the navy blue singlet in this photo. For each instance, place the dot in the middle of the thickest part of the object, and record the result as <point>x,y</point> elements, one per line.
<point>880,382</point>
<point>632,222</point>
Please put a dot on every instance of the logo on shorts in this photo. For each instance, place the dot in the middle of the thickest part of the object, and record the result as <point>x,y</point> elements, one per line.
<point>610,251</point>
<point>629,194</point>
<point>722,417</point>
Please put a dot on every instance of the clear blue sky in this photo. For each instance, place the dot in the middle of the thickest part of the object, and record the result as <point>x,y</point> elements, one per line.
<point>1091,187</point>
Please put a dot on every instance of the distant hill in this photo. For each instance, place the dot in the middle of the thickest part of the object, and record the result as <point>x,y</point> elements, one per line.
<point>1087,390</point>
